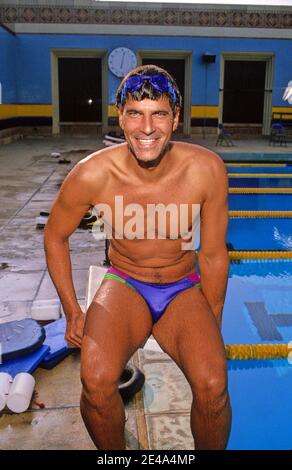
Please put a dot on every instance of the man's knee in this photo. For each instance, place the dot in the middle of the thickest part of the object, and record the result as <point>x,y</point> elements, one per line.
<point>99,387</point>
<point>211,389</point>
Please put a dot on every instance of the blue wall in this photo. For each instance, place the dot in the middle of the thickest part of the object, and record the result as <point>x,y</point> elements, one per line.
<point>283,71</point>
<point>26,59</point>
<point>8,48</point>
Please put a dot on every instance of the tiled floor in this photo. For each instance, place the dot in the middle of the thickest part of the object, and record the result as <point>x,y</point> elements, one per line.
<point>167,402</point>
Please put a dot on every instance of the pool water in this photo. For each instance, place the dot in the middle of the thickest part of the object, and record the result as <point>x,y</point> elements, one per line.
<point>261,404</point>
<point>258,309</point>
<point>235,182</point>
<point>260,233</point>
<point>260,169</point>
<point>258,306</point>
<point>260,202</point>
<point>260,182</point>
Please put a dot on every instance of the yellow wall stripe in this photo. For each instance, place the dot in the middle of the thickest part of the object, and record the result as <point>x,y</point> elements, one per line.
<point>112,110</point>
<point>38,110</point>
<point>205,112</point>
<point>22,110</point>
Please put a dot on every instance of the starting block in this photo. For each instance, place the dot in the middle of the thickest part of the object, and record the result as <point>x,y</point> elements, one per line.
<point>95,277</point>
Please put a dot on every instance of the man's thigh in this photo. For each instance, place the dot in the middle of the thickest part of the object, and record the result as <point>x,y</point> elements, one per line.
<point>117,323</point>
<point>189,333</point>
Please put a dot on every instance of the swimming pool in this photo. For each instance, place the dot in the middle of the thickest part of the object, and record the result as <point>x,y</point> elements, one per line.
<point>260,202</point>
<point>279,169</point>
<point>258,309</point>
<point>260,233</point>
<point>260,182</point>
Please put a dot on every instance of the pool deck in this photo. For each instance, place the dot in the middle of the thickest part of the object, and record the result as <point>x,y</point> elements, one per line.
<point>30,178</point>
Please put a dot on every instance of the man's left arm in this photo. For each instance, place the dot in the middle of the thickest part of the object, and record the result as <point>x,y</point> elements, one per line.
<point>213,255</point>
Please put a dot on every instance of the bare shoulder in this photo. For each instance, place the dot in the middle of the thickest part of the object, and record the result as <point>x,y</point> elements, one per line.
<point>89,176</point>
<point>94,169</point>
<point>209,163</point>
<point>97,165</point>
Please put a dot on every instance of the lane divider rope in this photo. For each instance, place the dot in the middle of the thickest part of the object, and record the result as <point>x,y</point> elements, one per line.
<point>260,190</point>
<point>236,255</point>
<point>258,351</point>
<point>257,164</point>
<point>260,175</point>
<point>261,214</point>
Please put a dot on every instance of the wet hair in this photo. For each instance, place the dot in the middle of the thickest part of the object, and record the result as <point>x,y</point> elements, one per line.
<point>147,91</point>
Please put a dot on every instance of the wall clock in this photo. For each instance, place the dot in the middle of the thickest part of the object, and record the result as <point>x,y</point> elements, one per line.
<point>121,60</point>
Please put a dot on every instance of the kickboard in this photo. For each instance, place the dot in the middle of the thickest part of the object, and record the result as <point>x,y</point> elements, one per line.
<point>50,363</point>
<point>26,363</point>
<point>19,338</point>
<point>59,349</point>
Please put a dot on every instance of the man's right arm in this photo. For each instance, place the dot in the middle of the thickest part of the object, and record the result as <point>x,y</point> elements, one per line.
<point>71,204</point>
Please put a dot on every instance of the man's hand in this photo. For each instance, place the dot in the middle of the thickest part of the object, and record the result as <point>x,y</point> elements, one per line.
<point>74,329</point>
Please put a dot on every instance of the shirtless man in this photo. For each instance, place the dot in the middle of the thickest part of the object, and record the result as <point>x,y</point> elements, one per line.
<point>152,286</point>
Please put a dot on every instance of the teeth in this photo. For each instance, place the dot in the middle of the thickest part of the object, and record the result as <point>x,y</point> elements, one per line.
<point>146,141</point>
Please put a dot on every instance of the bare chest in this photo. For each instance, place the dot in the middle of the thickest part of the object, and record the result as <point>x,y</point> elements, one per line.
<point>166,209</point>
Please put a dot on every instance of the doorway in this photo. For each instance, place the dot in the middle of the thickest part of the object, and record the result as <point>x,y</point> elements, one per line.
<point>80,97</point>
<point>79,88</point>
<point>246,85</point>
<point>244,89</point>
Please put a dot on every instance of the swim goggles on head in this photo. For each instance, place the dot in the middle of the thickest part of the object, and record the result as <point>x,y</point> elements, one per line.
<point>158,82</point>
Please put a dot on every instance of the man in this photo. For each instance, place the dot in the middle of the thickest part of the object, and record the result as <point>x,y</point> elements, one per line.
<point>152,286</point>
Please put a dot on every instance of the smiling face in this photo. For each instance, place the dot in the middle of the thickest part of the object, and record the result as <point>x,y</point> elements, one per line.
<point>148,126</point>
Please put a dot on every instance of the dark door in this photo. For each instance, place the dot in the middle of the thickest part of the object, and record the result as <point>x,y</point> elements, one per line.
<point>244,89</point>
<point>80,90</point>
<point>176,68</point>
